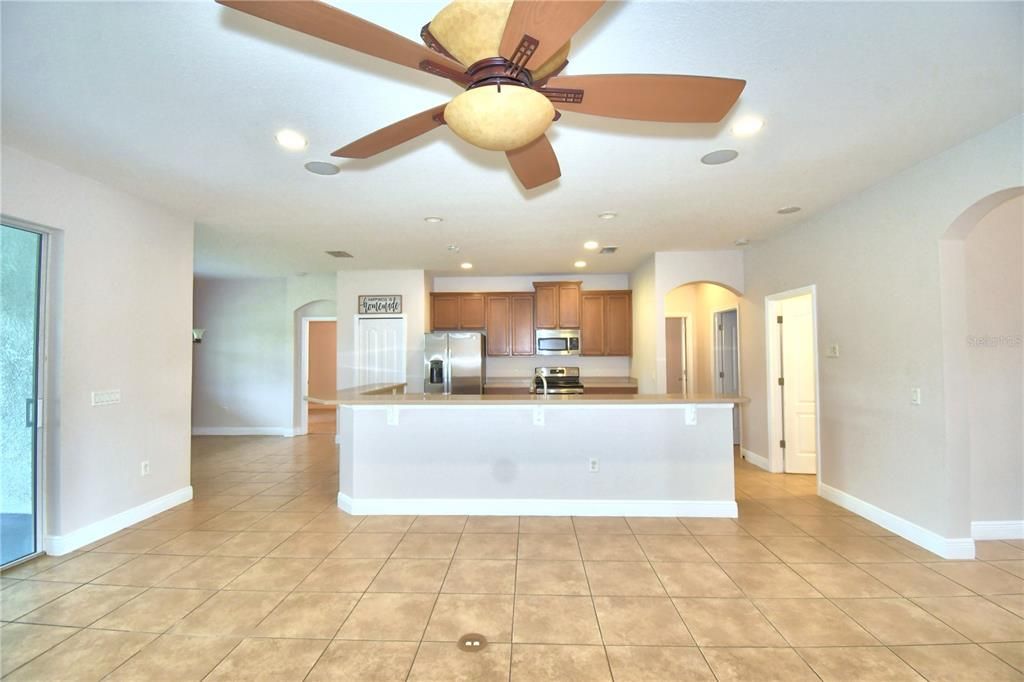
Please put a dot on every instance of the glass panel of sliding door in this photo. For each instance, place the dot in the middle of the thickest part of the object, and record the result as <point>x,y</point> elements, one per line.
<point>20,263</point>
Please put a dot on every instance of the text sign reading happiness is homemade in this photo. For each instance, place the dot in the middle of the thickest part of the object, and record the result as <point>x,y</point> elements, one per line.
<point>380,305</point>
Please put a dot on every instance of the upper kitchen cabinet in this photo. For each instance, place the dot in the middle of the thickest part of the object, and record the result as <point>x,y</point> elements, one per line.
<point>472,313</point>
<point>558,305</point>
<point>606,323</point>
<point>444,312</point>
<point>499,313</point>
<point>510,328</point>
<point>453,311</point>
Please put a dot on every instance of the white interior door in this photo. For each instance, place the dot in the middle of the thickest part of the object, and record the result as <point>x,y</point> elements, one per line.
<point>380,351</point>
<point>727,361</point>
<point>799,414</point>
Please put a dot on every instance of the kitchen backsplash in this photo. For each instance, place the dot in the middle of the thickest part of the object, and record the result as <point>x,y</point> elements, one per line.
<point>589,366</point>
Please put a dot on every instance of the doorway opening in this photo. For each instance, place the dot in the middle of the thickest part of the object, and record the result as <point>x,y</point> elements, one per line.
<point>792,362</point>
<point>319,373</point>
<point>678,357</point>
<point>22,362</point>
<point>700,359</point>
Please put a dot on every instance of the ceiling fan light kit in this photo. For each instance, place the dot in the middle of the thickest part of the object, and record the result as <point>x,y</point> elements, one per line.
<point>507,55</point>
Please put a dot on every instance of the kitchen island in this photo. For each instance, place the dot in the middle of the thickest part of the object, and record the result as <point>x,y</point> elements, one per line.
<point>581,455</point>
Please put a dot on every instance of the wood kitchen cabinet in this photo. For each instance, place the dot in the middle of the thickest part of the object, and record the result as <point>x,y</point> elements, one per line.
<point>558,305</point>
<point>523,332</point>
<point>618,323</point>
<point>499,333</point>
<point>606,323</point>
<point>472,313</point>
<point>444,312</point>
<point>510,328</point>
<point>454,311</point>
<point>592,324</point>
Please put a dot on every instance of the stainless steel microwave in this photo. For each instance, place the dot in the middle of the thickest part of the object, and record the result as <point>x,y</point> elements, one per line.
<point>558,342</point>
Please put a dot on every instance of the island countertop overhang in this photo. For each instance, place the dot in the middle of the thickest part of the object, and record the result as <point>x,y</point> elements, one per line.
<point>392,394</point>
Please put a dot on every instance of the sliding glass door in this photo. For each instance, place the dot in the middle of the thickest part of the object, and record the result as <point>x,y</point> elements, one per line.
<point>20,282</point>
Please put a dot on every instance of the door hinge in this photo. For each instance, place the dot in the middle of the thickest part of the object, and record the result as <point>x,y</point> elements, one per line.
<point>782,444</point>
<point>721,375</point>
<point>719,327</point>
<point>782,381</point>
<point>779,319</point>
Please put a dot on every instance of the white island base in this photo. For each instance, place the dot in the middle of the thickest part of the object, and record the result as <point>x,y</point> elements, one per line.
<point>532,457</point>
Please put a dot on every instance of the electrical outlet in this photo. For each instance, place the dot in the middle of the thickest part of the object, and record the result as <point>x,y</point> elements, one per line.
<point>833,350</point>
<point>915,396</point>
<point>144,468</point>
<point>595,465</point>
<point>538,416</point>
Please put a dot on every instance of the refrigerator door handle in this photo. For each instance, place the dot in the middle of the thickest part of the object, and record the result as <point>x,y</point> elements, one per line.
<point>448,369</point>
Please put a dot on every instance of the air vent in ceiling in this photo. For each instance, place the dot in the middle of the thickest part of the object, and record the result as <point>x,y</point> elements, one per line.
<point>339,254</point>
<point>605,250</point>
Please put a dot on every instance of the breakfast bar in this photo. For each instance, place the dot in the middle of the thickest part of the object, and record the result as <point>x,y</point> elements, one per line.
<point>582,455</point>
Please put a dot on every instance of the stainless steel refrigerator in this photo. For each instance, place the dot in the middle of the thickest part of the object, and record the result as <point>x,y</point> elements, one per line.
<point>454,362</point>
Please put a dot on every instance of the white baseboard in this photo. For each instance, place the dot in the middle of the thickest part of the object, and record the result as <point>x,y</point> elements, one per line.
<point>997,530</point>
<point>243,431</point>
<point>534,507</point>
<point>62,544</point>
<point>947,548</point>
<point>755,459</point>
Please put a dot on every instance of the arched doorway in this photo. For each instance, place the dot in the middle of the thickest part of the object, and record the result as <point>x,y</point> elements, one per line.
<point>702,341</point>
<point>982,289</point>
<point>315,368</point>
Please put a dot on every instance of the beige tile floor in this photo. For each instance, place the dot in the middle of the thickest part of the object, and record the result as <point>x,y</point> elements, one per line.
<point>261,576</point>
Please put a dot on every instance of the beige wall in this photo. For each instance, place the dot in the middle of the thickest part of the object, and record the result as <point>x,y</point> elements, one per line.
<point>995,312</point>
<point>875,261</point>
<point>121,314</point>
<point>323,357</point>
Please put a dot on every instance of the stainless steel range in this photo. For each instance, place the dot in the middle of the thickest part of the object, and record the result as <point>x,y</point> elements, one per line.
<point>557,381</point>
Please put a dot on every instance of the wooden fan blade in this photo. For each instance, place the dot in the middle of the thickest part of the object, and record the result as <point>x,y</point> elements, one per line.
<point>329,23</point>
<point>550,22</point>
<point>535,164</point>
<point>649,97</point>
<point>393,135</point>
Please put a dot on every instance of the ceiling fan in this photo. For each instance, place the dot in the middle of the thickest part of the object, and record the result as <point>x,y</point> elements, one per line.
<point>508,56</point>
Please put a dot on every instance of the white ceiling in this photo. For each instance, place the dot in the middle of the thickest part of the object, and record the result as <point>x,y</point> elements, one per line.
<point>178,102</point>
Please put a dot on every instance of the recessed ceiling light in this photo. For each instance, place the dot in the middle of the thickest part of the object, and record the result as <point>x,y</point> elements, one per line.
<point>718,157</point>
<point>591,245</point>
<point>741,242</point>
<point>607,215</point>
<point>747,126</point>
<point>289,139</point>
<point>322,168</point>
<point>580,264</point>
<point>433,219</point>
<point>786,210</point>
<point>466,266</point>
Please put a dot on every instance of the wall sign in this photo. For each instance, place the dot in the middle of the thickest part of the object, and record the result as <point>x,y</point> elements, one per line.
<point>380,305</point>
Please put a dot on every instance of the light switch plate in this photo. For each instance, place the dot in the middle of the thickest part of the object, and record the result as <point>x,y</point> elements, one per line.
<point>833,350</point>
<point>110,397</point>
<point>915,396</point>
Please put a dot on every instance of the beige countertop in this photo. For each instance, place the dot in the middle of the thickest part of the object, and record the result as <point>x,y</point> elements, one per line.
<point>393,394</point>
<point>521,382</point>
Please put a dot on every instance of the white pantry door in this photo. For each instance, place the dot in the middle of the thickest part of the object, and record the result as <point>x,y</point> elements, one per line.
<point>799,407</point>
<point>380,351</point>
